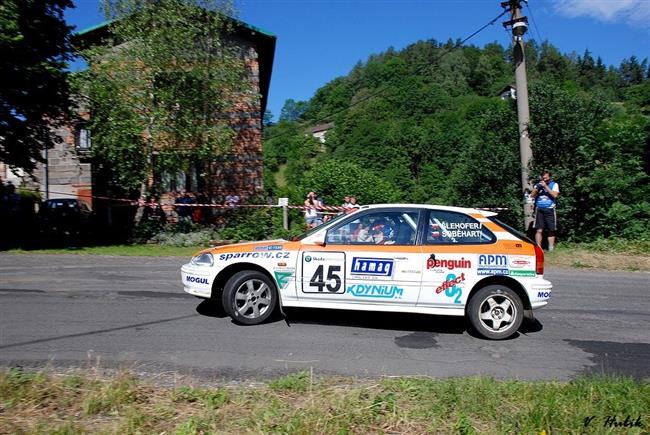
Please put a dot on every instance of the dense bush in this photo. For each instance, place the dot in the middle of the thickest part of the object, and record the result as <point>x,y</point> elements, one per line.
<point>425,124</point>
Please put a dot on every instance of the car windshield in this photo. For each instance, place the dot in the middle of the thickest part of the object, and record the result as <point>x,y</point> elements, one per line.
<point>320,227</point>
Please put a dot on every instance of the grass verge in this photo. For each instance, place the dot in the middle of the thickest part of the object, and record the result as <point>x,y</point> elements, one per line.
<point>298,403</point>
<point>607,254</point>
<point>149,250</point>
<point>612,254</point>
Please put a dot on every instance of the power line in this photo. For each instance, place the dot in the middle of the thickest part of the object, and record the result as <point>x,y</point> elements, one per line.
<point>385,87</point>
<point>532,17</point>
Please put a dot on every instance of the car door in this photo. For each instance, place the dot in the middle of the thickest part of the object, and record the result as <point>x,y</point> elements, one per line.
<point>369,258</point>
<point>452,244</point>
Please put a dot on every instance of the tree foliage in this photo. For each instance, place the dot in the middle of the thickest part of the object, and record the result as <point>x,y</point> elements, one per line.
<point>161,91</point>
<point>426,124</point>
<point>34,95</point>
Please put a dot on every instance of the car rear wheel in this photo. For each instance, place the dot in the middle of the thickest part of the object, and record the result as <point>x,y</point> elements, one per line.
<point>249,297</point>
<point>496,312</point>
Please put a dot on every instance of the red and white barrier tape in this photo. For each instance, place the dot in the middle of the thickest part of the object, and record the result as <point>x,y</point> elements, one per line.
<point>142,203</point>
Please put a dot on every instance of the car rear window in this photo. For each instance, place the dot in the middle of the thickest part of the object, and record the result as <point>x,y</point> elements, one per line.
<point>512,231</point>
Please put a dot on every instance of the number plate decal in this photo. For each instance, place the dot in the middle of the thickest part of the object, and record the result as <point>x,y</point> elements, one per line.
<point>323,272</point>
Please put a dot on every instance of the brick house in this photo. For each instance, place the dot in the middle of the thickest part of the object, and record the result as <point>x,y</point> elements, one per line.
<point>69,171</point>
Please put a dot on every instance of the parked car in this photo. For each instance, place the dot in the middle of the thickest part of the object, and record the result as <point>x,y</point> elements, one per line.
<point>65,217</point>
<point>392,258</point>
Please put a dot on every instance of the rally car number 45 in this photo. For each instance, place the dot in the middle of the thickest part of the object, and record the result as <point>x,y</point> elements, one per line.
<point>392,258</point>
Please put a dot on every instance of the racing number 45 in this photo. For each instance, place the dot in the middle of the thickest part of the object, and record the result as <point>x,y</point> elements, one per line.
<point>333,274</point>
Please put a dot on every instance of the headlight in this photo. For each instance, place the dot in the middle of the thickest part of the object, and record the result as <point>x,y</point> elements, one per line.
<point>203,260</point>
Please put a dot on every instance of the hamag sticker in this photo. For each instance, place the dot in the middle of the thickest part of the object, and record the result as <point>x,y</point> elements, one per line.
<point>372,266</point>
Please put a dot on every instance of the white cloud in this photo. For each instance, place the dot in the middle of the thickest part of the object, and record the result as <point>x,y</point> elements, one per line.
<point>636,12</point>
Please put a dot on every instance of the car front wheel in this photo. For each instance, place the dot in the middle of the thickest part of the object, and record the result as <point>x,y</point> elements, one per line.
<point>249,297</point>
<point>496,312</point>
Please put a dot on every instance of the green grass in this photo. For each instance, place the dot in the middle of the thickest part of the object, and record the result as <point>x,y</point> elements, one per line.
<point>300,403</point>
<point>610,246</point>
<point>128,250</point>
<point>612,254</point>
<point>607,254</point>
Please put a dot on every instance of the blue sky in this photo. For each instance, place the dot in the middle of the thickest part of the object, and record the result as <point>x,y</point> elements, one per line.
<point>321,40</point>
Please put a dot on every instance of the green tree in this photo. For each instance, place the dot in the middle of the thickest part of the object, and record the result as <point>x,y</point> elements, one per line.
<point>335,179</point>
<point>166,84</point>
<point>34,95</point>
<point>428,126</point>
<point>293,110</point>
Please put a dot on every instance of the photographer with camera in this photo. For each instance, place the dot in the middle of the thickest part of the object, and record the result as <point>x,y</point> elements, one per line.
<point>545,193</point>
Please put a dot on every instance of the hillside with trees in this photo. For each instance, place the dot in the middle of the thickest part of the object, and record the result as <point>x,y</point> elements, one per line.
<point>426,124</point>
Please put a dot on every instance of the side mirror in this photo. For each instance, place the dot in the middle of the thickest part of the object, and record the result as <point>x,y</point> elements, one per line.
<point>319,239</point>
<point>316,239</point>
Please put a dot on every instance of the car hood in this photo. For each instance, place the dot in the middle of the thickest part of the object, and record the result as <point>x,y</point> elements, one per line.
<point>265,245</point>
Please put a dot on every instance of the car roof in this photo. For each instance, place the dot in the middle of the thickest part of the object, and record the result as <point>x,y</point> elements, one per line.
<point>61,200</point>
<point>466,210</point>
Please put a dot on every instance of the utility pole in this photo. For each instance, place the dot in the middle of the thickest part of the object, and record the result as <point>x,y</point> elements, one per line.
<point>519,27</point>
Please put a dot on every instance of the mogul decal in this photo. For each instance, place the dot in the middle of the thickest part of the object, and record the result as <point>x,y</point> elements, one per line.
<point>376,291</point>
<point>372,266</point>
<point>543,295</point>
<point>492,264</point>
<point>448,263</point>
<point>283,278</point>
<point>450,288</point>
<point>226,257</point>
<point>196,279</point>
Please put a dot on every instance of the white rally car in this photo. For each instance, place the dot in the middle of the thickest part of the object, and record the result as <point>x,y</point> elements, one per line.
<point>398,258</point>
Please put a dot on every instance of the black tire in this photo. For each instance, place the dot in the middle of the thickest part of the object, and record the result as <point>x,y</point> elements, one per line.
<point>495,312</point>
<point>249,297</point>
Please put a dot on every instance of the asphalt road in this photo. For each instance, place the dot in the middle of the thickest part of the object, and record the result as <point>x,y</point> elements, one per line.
<point>67,311</point>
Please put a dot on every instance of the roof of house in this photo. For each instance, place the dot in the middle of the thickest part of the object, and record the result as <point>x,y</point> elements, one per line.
<point>320,127</point>
<point>263,40</point>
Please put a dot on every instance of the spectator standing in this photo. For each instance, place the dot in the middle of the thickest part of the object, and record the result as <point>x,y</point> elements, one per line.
<point>353,205</point>
<point>545,193</point>
<point>232,200</point>
<point>311,211</point>
<point>198,215</point>
<point>184,211</point>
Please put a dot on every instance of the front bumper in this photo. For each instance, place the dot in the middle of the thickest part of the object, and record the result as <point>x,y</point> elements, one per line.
<point>197,280</point>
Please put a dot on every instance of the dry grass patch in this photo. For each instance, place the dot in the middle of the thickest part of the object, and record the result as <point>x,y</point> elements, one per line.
<point>605,254</point>
<point>302,404</point>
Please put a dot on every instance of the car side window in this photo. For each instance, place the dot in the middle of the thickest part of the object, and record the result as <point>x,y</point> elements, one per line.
<point>376,228</point>
<point>448,227</point>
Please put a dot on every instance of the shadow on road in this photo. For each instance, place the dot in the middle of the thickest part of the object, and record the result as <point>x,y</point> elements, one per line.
<point>615,359</point>
<point>403,322</point>
<point>374,320</point>
<point>211,308</point>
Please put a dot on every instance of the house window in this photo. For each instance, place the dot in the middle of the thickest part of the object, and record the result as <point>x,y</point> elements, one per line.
<point>172,181</point>
<point>82,138</point>
<point>175,181</point>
